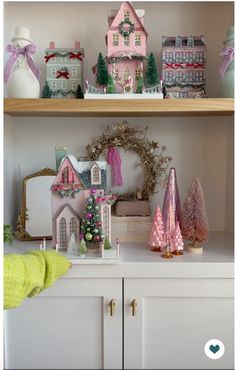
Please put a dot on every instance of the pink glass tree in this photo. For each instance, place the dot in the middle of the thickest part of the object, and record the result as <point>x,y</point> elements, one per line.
<point>194,221</point>
<point>157,234</point>
<point>171,210</point>
<point>177,241</point>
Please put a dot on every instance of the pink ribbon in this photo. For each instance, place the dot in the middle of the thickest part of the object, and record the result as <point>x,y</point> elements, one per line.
<point>113,158</point>
<point>28,51</point>
<point>228,53</point>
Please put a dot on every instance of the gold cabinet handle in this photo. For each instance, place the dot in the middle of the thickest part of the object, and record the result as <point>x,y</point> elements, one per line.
<point>112,305</point>
<point>133,305</point>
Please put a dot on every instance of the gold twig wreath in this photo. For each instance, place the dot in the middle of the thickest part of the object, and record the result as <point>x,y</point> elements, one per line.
<point>133,139</point>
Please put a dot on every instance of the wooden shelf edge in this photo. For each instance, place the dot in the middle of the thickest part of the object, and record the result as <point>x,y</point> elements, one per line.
<point>119,108</point>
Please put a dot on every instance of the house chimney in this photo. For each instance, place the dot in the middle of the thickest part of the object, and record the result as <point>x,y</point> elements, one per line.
<point>202,37</point>
<point>77,45</point>
<point>51,45</point>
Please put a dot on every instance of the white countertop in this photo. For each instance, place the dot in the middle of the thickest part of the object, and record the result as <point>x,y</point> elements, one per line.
<point>137,261</point>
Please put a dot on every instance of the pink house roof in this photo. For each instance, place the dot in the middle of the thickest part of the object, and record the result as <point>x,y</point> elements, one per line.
<point>127,3</point>
<point>72,161</point>
<point>70,209</point>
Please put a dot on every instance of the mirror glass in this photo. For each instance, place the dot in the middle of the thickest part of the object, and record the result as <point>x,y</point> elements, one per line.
<point>34,219</point>
<point>38,204</point>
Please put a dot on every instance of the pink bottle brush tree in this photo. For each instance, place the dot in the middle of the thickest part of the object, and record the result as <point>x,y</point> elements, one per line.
<point>194,218</point>
<point>157,234</point>
<point>177,241</point>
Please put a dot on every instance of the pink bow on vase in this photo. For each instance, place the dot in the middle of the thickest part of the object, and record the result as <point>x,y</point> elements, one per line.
<point>228,53</point>
<point>28,51</point>
<point>113,158</point>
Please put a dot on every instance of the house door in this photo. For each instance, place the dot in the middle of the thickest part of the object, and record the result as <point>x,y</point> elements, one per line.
<point>63,240</point>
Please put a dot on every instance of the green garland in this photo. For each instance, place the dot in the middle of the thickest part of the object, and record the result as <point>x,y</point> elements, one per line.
<point>121,28</point>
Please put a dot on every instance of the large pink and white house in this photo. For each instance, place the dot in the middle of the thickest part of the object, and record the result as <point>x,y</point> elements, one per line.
<point>69,191</point>
<point>126,41</point>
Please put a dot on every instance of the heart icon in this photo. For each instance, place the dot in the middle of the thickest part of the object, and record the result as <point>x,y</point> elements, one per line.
<point>214,349</point>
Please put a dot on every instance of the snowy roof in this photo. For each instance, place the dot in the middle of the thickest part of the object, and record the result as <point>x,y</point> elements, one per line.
<point>125,54</point>
<point>80,167</point>
<point>64,50</point>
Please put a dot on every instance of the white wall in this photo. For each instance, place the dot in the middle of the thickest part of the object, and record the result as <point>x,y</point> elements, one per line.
<point>65,22</point>
<point>198,146</point>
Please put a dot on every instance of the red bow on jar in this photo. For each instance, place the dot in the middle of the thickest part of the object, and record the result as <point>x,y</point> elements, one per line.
<point>64,74</point>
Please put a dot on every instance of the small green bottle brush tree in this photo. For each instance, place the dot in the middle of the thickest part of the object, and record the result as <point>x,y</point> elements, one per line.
<point>91,226</point>
<point>102,73</point>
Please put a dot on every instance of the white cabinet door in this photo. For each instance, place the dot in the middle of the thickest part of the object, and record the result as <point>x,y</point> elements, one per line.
<point>174,320</point>
<point>69,326</point>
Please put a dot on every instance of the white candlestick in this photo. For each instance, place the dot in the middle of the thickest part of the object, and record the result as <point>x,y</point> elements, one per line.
<point>41,246</point>
<point>117,248</point>
<point>44,243</point>
<point>57,247</point>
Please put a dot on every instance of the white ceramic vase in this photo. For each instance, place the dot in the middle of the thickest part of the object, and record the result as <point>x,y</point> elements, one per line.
<point>22,82</point>
<point>226,84</point>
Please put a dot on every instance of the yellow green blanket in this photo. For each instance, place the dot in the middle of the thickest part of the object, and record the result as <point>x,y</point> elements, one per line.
<point>25,275</point>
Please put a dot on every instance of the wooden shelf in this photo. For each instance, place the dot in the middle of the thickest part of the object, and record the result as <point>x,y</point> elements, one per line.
<point>118,108</point>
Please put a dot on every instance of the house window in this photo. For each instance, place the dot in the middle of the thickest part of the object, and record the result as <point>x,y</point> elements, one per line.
<point>106,221</point>
<point>62,231</point>
<point>73,85</point>
<point>190,42</point>
<point>63,59</point>
<point>73,227</point>
<point>115,39</point>
<point>116,75</point>
<point>137,39</point>
<point>126,14</point>
<point>54,85</point>
<point>178,42</point>
<point>74,71</point>
<point>126,41</point>
<point>95,175</point>
<point>137,74</point>
<point>53,70</point>
<point>126,74</point>
<point>64,85</point>
<point>65,176</point>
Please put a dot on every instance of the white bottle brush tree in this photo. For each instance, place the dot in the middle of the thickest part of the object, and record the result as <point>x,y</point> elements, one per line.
<point>157,235</point>
<point>194,219</point>
<point>73,246</point>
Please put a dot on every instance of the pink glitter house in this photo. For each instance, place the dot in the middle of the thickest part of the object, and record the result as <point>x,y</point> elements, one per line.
<point>69,191</point>
<point>126,41</point>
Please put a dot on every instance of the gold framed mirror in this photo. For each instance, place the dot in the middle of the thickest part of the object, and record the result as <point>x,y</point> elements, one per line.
<point>34,221</point>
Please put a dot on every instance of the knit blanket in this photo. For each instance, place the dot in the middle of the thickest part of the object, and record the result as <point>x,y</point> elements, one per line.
<point>26,275</point>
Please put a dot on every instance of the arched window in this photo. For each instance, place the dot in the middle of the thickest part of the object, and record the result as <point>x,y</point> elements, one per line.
<point>73,228</point>
<point>65,176</point>
<point>95,175</point>
<point>62,227</point>
<point>178,42</point>
<point>190,42</point>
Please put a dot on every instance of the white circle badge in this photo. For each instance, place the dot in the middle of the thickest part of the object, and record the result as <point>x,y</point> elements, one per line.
<point>214,349</point>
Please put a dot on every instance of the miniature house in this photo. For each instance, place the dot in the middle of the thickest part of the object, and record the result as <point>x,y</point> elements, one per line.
<point>184,66</point>
<point>126,41</point>
<point>64,70</point>
<point>69,191</point>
